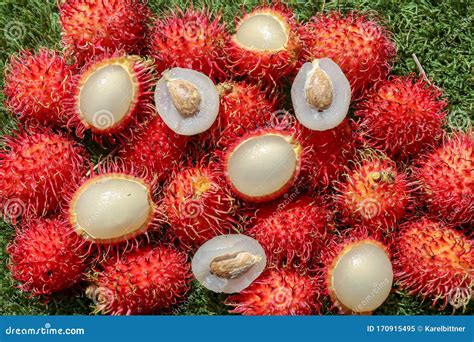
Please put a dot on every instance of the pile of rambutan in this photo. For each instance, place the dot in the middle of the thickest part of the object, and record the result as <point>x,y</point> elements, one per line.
<point>205,172</point>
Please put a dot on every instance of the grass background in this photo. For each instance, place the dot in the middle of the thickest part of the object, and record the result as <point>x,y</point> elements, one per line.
<point>439,32</point>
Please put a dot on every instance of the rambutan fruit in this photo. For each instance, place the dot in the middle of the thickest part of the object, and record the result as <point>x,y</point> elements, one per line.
<point>36,84</point>
<point>154,150</point>
<point>291,231</point>
<point>402,117</point>
<point>278,292</point>
<point>434,261</point>
<point>266,45</point>
<point>91,28</point>
<point>36,169</point>
<point>243,108</point>
<point>447,180</point>
<point>46,257</point>
<point>228,263</point>
<point>198,206</point>
<point>187,101</point>
<point>357,271</point>
<point>111,205</point>
<point>110,95</point>
<point>329,152</point>
<point>321,95</point>
<point>263,164</point>
<point>361,47</point>
<point>374,194</point>
<point>141,281</point>
<point>192,40</point>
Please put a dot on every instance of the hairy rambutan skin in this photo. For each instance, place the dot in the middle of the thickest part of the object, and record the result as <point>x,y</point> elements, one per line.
<point>141,281</point>
<point>434,261</point>
<point>362,48</point>
<point>374,194</point>
<point>243,108</point>
<point>36,169</point>
<point>46,257</point>
<point>291,231</point>
<point>267,66</point>
<point>278,292</point>
<point>92,27</point>
<point>198,205</point>
<point>155,149</point>
<point>446,177</point>
<point>104,130</point>
<point>403,116</point>
<point>192,40</point>
<point>330,152</point>
<point>36,84</point>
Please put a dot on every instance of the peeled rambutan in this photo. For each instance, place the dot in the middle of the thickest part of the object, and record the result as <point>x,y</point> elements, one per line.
<point>91,28</point>
<point>361,47</point>
<point>36,84</point>
<point>46,256</point>
<point>111,205</point>
<point>374,194</point>
<point>191,40</point>
<point>263,164</point>
<point>329,152</point>
<point>36,169</point>
<point>110,95</point>
<point>402,117</point>
<point>141,281</point>
<point>198,206</point>
<point>278,292</point>
<point>155,149</point>
<point>291,231</point>
<point>434,261</point>
<point>266,45</point>
<point>447,180</point>
<point>243,108</point>
<point>357,271</point>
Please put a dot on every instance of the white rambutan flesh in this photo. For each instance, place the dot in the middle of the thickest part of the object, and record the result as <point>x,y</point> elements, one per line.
<point>106,96</point>
<point>362,277</point>
<point>262,165</point>
<point>321,95</point>
<point>111,208</point>
<point>187,101</point>
<point>228,263</point>
<point>262,32</point>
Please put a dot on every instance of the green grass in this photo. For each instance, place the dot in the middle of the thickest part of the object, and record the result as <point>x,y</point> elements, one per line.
<point>439,32</point>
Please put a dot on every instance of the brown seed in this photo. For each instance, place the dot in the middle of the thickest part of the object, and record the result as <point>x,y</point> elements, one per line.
<point>231,266</point>
<point>185,96</point>
<point>319,90</point>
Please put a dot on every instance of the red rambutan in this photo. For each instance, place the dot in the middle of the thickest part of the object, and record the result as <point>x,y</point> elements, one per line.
<point>266,45</point>
<point>36,169</point>
<point>198,205</point>
<point>357,271</point>
<point>46,257</point>
<point>36,84</point>
<point>92,27</point>
<point>141,281</point>
<point>155,149</point>
<point>374,194</point>
<point>110,95</point>
<point>190,40</point>
<point>112,205</point>
<point>403,116</point>
<point>361,47</point>
<point>291,231</point>
<point>278,292</point>
<point>434,261</point>
<point>447,179</point>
